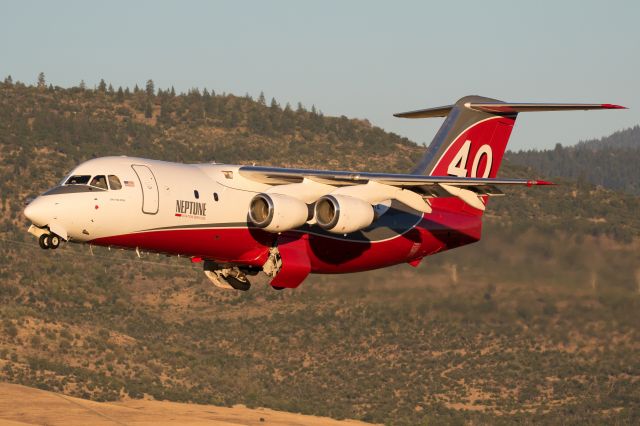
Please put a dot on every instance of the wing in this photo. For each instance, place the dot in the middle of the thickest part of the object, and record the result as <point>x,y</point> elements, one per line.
<point>413,190</point>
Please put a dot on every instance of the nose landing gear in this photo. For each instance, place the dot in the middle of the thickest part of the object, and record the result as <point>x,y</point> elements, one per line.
<point>49,241</point>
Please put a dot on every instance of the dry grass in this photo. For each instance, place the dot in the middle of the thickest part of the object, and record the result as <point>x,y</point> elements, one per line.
<point>21,405</point>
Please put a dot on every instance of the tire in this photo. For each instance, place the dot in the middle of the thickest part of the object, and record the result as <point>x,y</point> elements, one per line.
<point>277,288</point>
<point>43,241</point>
<point>237,284</point>
<point>54,241</point>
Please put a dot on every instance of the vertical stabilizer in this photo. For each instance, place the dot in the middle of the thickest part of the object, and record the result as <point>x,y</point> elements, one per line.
<point>470,142</point>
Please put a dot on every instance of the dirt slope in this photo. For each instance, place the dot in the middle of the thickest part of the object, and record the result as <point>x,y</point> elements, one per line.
<point>21,405</point>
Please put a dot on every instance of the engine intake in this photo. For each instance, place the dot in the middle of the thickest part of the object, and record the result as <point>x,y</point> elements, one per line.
<point>277,212</point>
<point>343,214</point>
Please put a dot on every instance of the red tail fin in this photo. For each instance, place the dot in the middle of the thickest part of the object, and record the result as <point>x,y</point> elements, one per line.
<point>470,142</point>
<point>474,136</point>
<point>477,151</point>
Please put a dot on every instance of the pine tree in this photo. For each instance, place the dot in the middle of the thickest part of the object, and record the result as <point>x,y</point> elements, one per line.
<point>262,100</point>
<point>42,83</point>
<point>288,119</point>
<point>120,95</point>
<point>150,88</point>
<point>82,85</point>
<point>8,81</point>
<point>102,87</point>
<point>110,89</point>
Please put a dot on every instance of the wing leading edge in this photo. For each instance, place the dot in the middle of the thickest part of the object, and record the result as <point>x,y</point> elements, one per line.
<point>282,176</point>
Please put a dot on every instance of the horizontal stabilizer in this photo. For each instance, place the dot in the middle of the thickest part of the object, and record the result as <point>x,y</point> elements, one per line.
<point>442,111</point>
<point>508,108</point>
<point>502,108</point>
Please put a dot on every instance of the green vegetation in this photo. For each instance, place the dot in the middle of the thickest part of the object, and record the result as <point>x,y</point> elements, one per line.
<point>611,161</point>
<point>537,323</point>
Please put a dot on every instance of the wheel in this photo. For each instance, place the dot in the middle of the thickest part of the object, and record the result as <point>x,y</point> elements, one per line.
<point>43,241</point>
<point>53,241</point>
<point>277,288</point>
<point>238,284</point>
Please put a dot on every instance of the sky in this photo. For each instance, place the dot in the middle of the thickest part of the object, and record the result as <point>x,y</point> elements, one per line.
<point>362,59</point>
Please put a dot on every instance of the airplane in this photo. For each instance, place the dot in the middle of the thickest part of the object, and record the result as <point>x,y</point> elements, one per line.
<point>287,223</point>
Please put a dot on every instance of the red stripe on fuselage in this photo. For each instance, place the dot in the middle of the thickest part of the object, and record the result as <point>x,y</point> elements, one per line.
<point>438,231</point>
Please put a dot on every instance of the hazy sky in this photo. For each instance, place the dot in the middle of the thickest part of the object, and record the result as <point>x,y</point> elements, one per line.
<point>362,59</point>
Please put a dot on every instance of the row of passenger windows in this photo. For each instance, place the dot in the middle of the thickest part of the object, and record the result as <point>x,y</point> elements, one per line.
<point>99,181</point>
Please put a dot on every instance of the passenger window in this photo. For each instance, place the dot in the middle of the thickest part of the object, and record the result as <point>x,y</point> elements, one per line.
<point>99,182</point>
<point>78,180</point>
<point>114,182</point>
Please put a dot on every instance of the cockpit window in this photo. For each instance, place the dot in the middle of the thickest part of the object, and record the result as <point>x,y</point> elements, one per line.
<point>114,182</point>
<point>78,180</point>
<point>99,182</point>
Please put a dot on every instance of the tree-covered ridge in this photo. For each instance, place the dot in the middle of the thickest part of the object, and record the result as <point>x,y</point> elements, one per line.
<point>627,138</point>
<point>197,126</point>
<point>611,161</point>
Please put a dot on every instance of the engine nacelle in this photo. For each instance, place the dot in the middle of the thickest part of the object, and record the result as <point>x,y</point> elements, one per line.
<point>342,214</point>
<point>277,212</point>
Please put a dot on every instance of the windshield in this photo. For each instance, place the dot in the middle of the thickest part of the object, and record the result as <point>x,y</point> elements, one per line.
<point>78,180</point>
<point>99,182</point>
<point>114,182</point>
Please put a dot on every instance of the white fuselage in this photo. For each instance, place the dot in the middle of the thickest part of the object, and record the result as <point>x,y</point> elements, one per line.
<point>154,194</point>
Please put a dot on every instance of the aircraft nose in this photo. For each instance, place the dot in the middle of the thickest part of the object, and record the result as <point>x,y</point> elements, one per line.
<point>36,212</point>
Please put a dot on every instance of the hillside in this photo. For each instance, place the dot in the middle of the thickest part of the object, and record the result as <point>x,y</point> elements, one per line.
<point>22,406</point>
<point>610,161</point>
<point>627,138</point>
<point>536,323</point>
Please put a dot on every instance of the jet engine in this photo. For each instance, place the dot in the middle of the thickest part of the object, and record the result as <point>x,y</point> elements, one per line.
<point>342,214</point>
<point>277,212</point>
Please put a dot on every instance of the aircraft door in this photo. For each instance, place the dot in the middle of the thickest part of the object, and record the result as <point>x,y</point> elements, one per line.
<point>150,195</point>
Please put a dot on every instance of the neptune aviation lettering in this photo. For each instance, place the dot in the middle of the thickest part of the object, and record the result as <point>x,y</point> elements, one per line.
<point>190,209</point>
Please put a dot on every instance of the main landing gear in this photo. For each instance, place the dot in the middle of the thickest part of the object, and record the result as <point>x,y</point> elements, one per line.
<point>228,276</point>
<point>49,241</point>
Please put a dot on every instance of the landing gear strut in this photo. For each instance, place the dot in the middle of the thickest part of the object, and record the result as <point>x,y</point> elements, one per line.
<point>49,241</point>
<point>227,276</point>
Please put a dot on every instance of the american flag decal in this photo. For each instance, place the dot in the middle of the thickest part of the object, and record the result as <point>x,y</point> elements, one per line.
<point>128,183</point>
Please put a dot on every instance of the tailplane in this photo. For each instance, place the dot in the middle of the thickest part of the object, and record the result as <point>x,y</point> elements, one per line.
<point>472,140</point>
